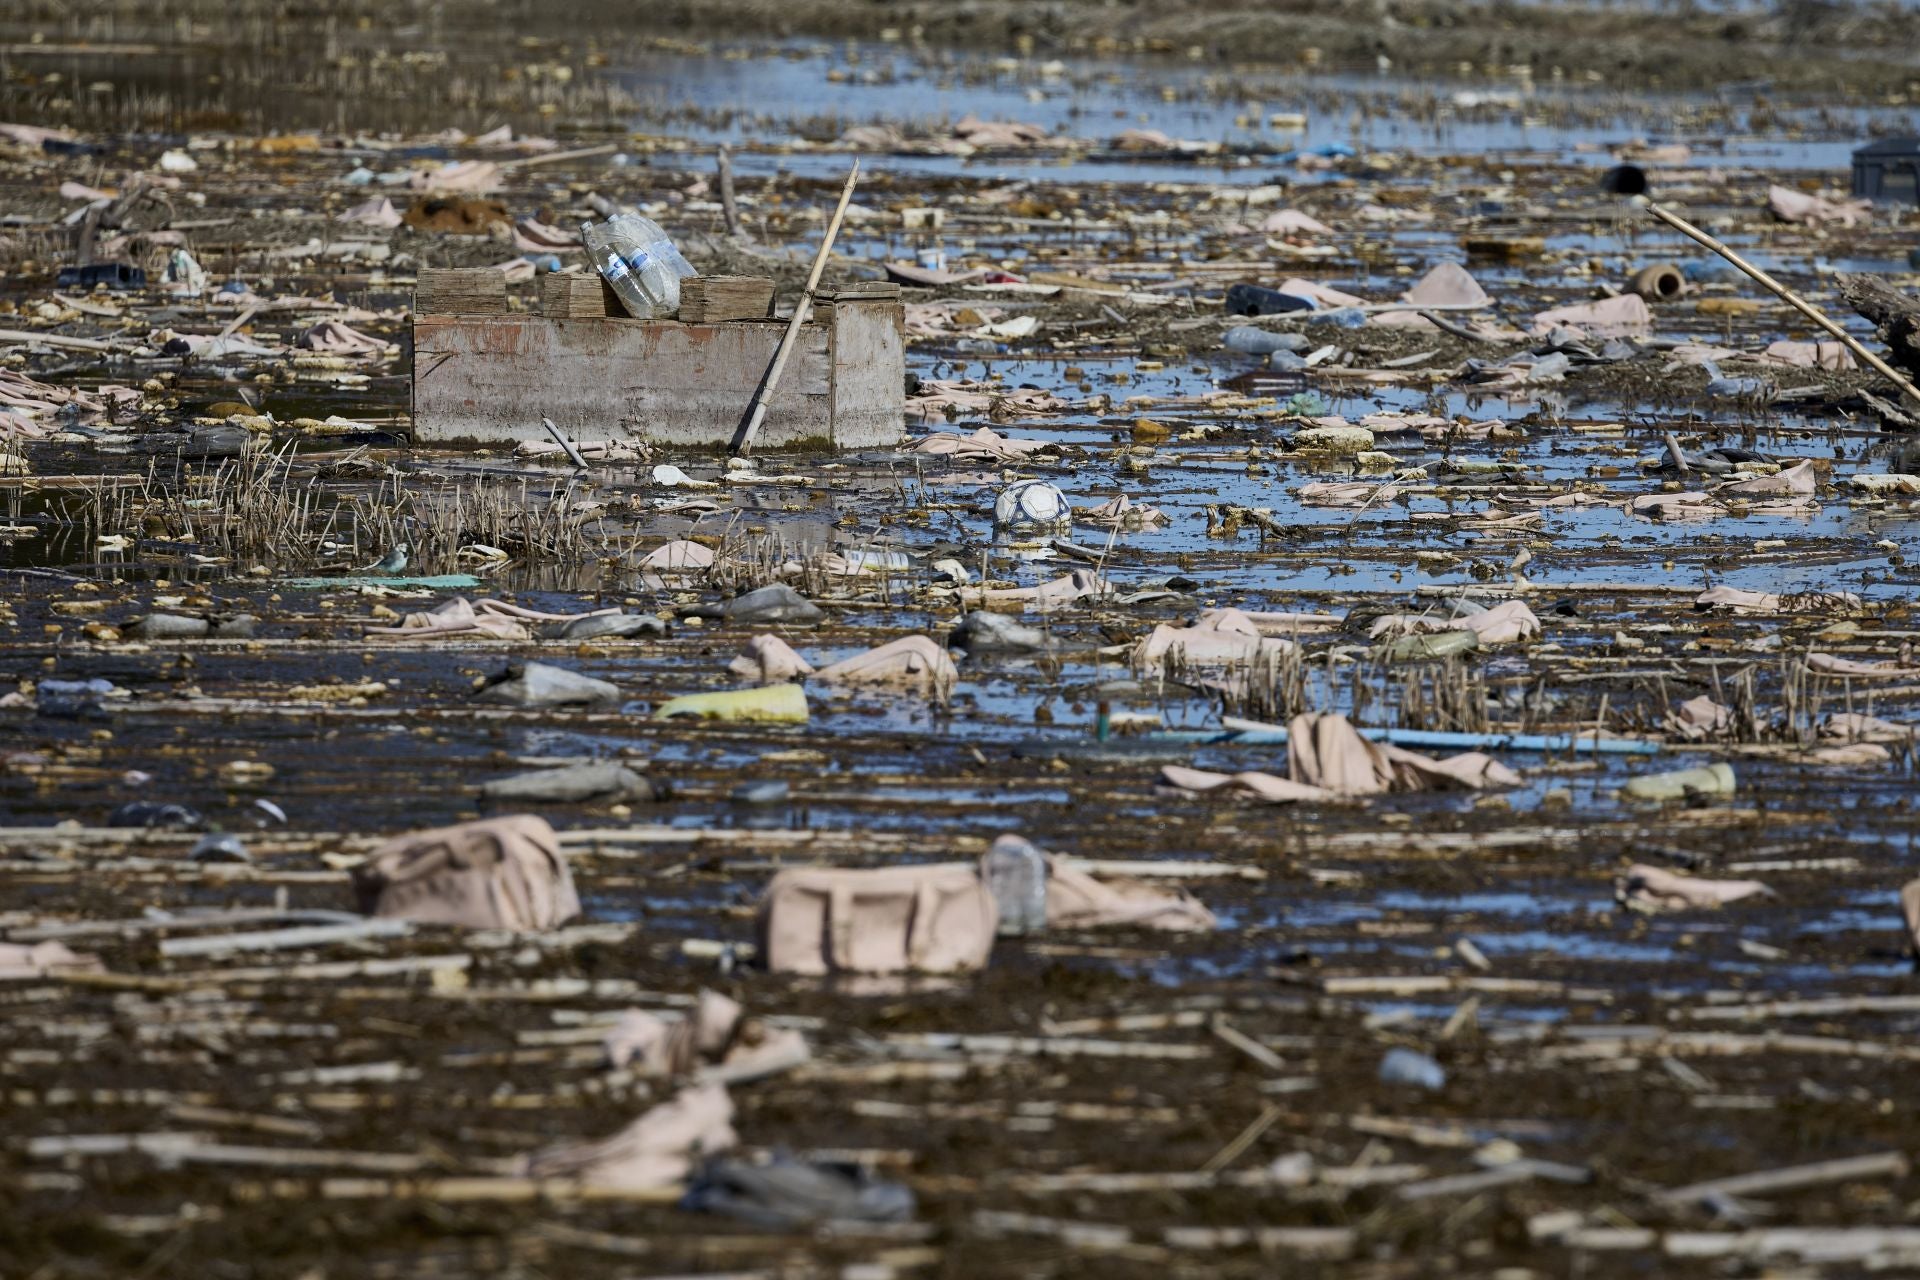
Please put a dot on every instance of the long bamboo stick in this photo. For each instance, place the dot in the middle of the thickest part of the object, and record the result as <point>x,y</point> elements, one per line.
<point>1785,294</point>
<point>765,394</point>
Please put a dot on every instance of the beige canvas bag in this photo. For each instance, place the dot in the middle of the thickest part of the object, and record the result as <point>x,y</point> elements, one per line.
<point>935,918</point>
<point>499,873</point>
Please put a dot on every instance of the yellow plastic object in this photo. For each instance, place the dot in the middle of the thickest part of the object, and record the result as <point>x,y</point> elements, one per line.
<point>776,703</point>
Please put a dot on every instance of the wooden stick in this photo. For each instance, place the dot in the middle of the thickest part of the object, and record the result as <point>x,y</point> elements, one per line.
<point>565,443</point>
<point>729,210</point>
<point>57,340</point>
<point>764,395</point>
<point>1230,1034</point>
<point>1785,294</point>
<point>556,157</point>
<point>1679,456</point>
<point>1885,1164</point>
<point>1246,1138</point>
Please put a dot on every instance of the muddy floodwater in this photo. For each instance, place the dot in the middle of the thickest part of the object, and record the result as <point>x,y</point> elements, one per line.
<point>1528,1008</point>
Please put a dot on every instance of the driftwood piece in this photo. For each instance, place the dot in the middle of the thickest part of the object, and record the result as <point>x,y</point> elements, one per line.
<point>1883,1164</point>
<point>1895,315</point>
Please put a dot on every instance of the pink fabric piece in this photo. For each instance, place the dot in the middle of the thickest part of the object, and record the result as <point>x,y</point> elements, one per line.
<point>1282,625</point>
<point>495,618</point>
<point>377,212</point>
<point>1051,595</point>
<point>1741,600</point>
<point>678,556</point>
<point>1206,646</point>
<point>1834,665</point>
<point>1698,718</point>
<point>986,444</point>
<point>912,663</point>
<point>1344,493</point>
<point>1798,480</point>
<point>1651,889</point>
<point>1810,355</point>
<point>658,1150</point>
<point>986,133</point>
<point>1607,318</point>
<point>1260,786</point>
<point>36,960</point>
<point>1692,505</point>
<point>936,397</point>
<point>1291,222</point>
<point>339,339</point>
<point>461,175</point>
<point>1816,211</point>
<point>1120,513</point>
<point>1448,284</point>
<point>912,273</point>
<point>1503,624</point>
<point>715,1039</point>
<point>33,135</point>
<point>1327,751</point>
<point>1078,899</point>
<point>1852,755</point>
<point>874,137</point>
<point>530,235</point>
<point>1323,296</point>
<point>770,660</point>
<point>1853,726</point>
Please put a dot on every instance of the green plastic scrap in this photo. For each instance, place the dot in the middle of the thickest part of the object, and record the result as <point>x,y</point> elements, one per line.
<point>1714,780</point>
<point>775,703</point>
<point>1430,647</point>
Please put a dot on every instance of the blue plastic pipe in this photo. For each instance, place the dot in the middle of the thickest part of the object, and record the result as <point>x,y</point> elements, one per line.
<point>1434,738</point>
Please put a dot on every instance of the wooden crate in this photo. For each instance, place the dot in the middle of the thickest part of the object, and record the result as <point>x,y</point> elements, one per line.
<point>489,380</point>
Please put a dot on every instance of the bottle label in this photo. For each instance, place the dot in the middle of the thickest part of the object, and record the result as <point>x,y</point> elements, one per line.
<point>640,260</point>
<point>614,270</point>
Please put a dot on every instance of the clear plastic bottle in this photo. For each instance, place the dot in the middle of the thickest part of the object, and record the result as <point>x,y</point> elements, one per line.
<point>612,266</point>
<point>1015,872</point>
<point>633,249</point>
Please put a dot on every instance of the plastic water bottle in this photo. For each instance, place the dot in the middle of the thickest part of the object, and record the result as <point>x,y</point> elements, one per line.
<point>613,269</point>
<point>655,262</point>
<point>636,240</point>
<point>1408,1067</point>
<point>1016,875</point>
<point>1259,342</point>
<point>633,249</point>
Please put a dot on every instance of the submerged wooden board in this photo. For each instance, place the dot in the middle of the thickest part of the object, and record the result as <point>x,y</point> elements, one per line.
<point>489,380</point>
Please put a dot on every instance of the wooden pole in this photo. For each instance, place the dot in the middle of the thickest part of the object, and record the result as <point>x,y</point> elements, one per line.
<point>1785,294</point>
<point>761,397</point>
<point>728,209</point>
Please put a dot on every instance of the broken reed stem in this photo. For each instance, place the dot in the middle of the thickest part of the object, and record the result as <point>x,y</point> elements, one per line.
<point>1786,295</point>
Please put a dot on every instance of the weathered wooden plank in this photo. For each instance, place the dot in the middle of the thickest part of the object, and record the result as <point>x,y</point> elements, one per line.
<point>869,373</point>
<point>489,380</point>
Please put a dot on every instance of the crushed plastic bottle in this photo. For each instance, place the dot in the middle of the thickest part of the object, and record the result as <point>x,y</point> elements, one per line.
<point>1345,317</point>
<point>637,258</point>
<point>1016,876</point>
<point>1408,1067</point>
<point>1255,341</point>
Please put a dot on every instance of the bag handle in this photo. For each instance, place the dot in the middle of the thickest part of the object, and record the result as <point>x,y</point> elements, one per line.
<point>926,904</point>
<point>840,926</point>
